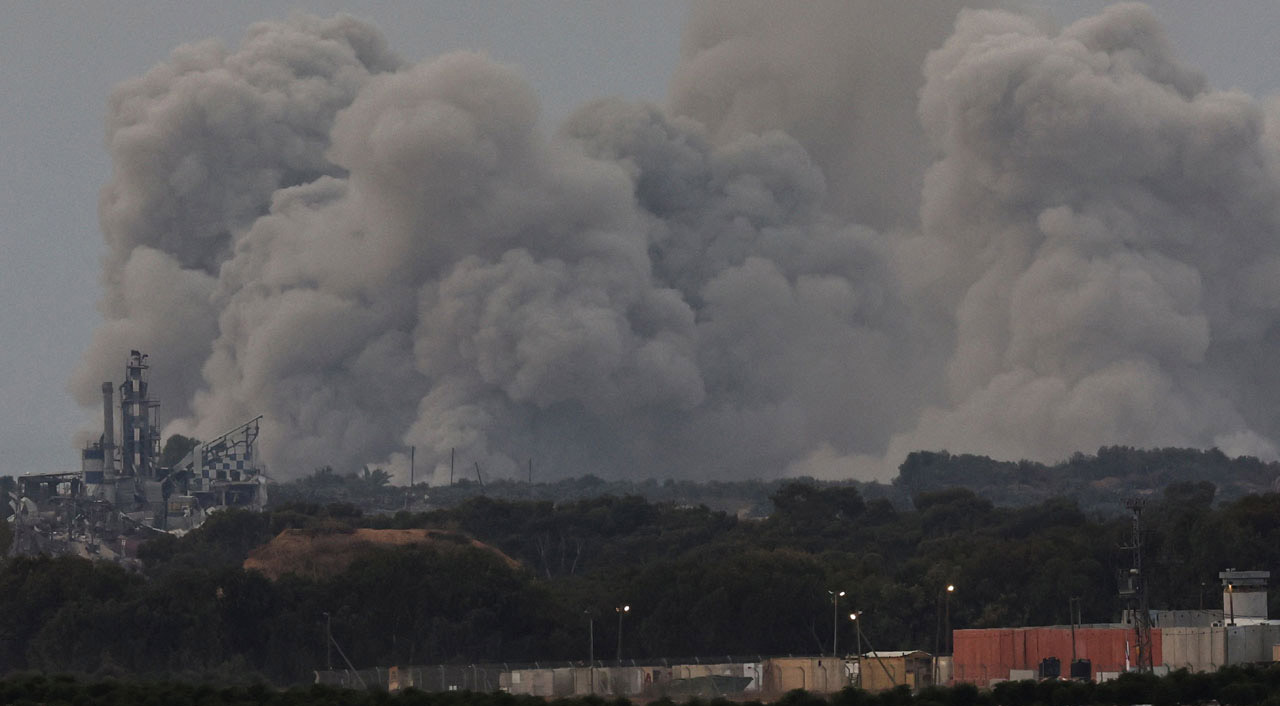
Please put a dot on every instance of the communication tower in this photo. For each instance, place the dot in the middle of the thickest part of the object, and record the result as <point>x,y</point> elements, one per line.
<point>1133,588</point>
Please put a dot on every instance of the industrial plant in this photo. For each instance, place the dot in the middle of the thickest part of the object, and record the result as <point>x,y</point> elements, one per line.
<point>123,493</point>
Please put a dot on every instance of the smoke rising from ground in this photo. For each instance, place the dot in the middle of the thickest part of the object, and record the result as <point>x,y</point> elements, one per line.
<point>852,233</point>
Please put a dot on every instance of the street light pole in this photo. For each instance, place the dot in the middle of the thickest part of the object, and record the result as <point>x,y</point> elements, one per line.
<point>950,589</point>
<point>835,620</point>
<point>1226,634</point>
<point>857,627</point>
<point>622,610</point>
<point>941,643</point>
<point>1231,602</point>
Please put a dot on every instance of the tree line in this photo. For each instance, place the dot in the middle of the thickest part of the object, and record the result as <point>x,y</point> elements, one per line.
<point>699,582</point>
<point>1094,480</point>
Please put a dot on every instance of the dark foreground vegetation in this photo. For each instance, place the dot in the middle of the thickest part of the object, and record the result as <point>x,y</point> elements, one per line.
<point>1234,686</point>
<point>700,582</point>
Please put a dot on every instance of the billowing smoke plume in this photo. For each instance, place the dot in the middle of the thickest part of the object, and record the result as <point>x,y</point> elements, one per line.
<point>853,233</point>
<point>200,145</point>
<point>1110,228</point>
<point>840,76</point>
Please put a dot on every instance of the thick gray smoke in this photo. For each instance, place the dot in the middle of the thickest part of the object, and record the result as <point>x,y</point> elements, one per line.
<point>1110,229</point>
<point>840,76</point>
<point>852,234</point>
<point>200,145</point>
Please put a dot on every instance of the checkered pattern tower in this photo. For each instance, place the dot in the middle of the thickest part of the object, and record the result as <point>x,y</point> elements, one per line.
<point>139,422</point>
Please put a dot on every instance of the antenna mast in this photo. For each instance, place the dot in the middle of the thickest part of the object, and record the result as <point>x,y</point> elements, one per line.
<point>1134,589</point>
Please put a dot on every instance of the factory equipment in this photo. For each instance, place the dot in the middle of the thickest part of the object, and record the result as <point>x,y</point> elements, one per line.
<point>122,493</point>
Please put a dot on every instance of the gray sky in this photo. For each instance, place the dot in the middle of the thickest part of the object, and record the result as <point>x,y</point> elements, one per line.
<point>59,61</point>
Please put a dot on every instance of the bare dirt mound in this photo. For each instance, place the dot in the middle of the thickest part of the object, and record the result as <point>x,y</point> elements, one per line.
<point>328,552</point>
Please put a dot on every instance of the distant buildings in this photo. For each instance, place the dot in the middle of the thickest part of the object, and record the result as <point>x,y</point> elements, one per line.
<point>753,678</point>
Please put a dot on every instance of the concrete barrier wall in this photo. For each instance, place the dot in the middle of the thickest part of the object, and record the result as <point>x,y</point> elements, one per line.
<point>1207,649</point>
<point>1194,649</point>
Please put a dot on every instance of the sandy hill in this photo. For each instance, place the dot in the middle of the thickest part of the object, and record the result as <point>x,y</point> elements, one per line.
<point>322,553</point>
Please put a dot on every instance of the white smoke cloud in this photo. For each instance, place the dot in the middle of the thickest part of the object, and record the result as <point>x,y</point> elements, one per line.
<point>761,279</point>
<point>1102,203</point>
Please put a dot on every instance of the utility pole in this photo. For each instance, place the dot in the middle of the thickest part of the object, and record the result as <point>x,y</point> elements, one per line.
<point>591,647</point>
<point>622,610</point>
<point>876,655</point>
<point>328,641</point>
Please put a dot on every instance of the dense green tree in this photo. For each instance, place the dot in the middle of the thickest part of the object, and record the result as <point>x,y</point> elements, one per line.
<point>802,508</point>
<point>34,590</point>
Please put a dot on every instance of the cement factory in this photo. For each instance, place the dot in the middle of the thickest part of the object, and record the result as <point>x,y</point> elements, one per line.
<point>122,493</point>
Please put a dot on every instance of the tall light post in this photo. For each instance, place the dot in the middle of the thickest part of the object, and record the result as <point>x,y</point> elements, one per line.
<point>857,627</point>
<point>622,610</point>
<point>1231,602</point>
<point>835,620</point>
<point>941,645</point>
<point>1231,607</point>
<point>950,590</point>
